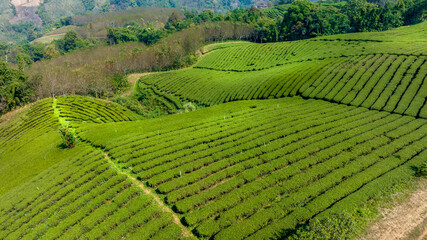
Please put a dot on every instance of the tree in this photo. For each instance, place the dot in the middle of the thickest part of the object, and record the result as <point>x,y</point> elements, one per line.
<point>23,59</point>
<point>390,17</point>
<point>31,35</point>
<point>14,89</point>
<point>173,21</point>
<point>356,10</point>
<point>125,34</point>
<point>68,137</point>
<point>298,20</point>
<point>416,12</point>
<point>50,52</point>
<point>105,7</point>
<point>70,40</point>
<point>422,170</point>
<point>89,4</point>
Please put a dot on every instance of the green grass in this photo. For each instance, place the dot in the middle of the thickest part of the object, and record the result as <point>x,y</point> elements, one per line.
<point>375,74</point>
<point>48,39</point>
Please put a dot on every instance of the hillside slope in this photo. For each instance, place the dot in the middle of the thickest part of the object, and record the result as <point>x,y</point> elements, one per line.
<point>255,168</point>
<point>252,169</point>
<point>261,166</point>
<point>48,192</point>
<point>382,71</point>
<point>33,134</point>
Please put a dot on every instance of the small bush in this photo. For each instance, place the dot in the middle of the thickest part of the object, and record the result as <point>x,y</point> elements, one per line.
<point>119,82</point>
<point>68,137</point>
<point>340,226</point>
<point>422,170</point>
<point>189,107</point>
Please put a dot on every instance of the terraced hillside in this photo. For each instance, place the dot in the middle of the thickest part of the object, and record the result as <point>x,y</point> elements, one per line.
<point>253,169</point>
<point>348,126</point>
<point>48,192</point>
<point>32,134</point>
<point>262,166</point>
<point>381,71</point>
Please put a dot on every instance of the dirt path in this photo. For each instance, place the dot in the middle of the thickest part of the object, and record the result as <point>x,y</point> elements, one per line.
<point>406,221</point>
<point>148,191</point>
<point>136,182</point>
<point>133,79</point>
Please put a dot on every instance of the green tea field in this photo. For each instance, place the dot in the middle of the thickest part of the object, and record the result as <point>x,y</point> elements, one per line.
<point>289,132</point>
<point>386,73</point>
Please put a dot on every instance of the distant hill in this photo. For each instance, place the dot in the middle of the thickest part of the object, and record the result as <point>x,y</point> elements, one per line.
<point>18,17</point>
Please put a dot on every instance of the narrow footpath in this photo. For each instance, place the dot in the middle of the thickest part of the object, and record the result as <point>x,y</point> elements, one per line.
<point>148,191</point>
<point>136,182</point>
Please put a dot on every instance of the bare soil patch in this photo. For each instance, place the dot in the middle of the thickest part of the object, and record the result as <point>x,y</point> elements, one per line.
<point>133,79</point>
<point>406,221</point>
<point>26,11</point>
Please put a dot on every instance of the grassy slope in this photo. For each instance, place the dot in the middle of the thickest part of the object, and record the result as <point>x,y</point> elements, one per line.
<point>31,137</point>
<point>382,71</point>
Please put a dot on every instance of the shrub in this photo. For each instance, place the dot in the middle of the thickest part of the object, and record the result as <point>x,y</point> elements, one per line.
<point>422,170</point>
<point>68,137</point>
<point>189,107</point>
<point>339,226</point>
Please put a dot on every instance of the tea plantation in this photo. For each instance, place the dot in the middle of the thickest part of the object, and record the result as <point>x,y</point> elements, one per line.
<point>386,73</point>
<point>322,127</point>
<point>255,168</point>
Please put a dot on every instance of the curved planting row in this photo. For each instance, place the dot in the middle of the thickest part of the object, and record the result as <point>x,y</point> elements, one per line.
<point>163,99</point>
<point>84,109</point>
<point>272,164</point>
<point>255,57</point>
<point>416,34</point>
<point>36,121</point>
<point>393,83</point>
<point>277,11</point>
<point>82,197</point>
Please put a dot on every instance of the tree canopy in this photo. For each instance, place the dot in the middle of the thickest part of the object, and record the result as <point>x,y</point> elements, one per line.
<point>14,88</point>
